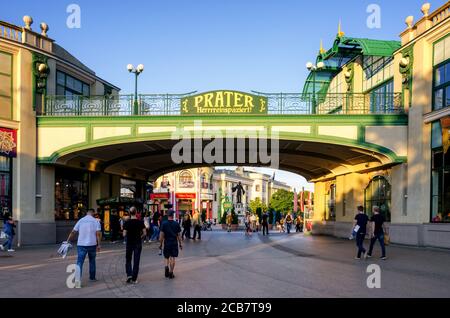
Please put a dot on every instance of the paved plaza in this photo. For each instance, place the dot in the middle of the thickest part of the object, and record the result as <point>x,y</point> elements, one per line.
<point>231,265</point>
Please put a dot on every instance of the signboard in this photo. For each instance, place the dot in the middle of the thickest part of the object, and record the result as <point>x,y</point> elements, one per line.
<point>445,124</point>
<point>223,103</point>
<point>163,195</point>
<point>8,142</point>
<point>227,204</point>
<point>185,195</point>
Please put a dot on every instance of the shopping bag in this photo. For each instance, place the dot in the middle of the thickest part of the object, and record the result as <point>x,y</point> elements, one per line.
<point>387,239</point>
<point>3,235</point>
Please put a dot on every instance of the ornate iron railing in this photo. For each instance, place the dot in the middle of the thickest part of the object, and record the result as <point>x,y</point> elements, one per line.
<point>278,104</point>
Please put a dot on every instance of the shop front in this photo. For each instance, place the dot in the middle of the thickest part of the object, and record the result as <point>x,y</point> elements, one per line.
<point>8,151</point>
<point>158,201</point>
<point>185,202</point>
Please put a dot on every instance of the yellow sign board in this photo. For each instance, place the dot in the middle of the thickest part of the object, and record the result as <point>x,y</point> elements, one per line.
<point>223,103</point>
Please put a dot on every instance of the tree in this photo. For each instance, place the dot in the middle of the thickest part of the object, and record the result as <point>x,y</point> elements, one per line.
<point>282,201</point>
<point>257,203</point>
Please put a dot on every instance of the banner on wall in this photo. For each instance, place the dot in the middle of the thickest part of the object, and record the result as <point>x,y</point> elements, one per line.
<point>445,124</point>
<point>8,142</point>
<point>185,195</point>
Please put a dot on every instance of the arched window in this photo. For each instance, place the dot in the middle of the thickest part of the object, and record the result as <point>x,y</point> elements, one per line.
<point>330,204</point>
<point>378,193</point>
<point>185,180</point>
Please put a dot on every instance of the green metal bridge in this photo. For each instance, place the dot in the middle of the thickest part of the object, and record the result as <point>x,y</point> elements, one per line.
<point>318,135</point>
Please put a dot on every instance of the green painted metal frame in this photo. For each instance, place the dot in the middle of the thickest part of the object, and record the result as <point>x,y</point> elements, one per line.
<point>267,121</point>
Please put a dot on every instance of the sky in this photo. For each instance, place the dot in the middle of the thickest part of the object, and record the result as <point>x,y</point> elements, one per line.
<point>202,45</point>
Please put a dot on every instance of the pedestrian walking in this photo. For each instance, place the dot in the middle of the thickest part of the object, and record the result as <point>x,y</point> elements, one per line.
<point>282,221</point>
<point>123,220</point>
<point>155,225</point>
<point>134,231</point>
<point>253,222</point>
<point>289,220</point>
<point>170,240</point>
<point>8,229</point>
<point>378,230</point>
<point>298,224</point>
<point>360,228</point>
<point>147,224</point>
<point>186,226</point>
<point>265,224</point>
<point>89,239</point>
<point>248,224</point>
<point>196,223</point>
<point>229,221</point>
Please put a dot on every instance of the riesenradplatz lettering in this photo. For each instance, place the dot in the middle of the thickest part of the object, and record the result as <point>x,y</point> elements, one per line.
<point>223,103</point>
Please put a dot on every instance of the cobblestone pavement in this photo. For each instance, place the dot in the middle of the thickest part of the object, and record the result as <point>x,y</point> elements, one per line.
<point>232,265</point>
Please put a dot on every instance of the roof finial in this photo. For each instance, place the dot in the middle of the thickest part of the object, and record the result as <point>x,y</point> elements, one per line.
<point>340,33</point>
<point>321,50</point>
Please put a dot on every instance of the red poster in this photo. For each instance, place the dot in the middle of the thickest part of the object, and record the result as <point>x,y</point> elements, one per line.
<point>163,195</point>
<point>185,195</point>
<point>8,142</point>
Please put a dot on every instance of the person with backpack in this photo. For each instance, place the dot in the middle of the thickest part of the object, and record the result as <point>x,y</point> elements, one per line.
<point>289,220</point>
<point>360,228</point>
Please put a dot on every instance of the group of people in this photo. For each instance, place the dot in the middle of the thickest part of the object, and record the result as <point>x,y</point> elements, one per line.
<point>285,223</point>
<point>135,231</point>
<point>192,220</point>
<point>377,232</point>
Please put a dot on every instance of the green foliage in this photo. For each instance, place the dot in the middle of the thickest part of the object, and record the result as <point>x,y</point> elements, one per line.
<point>257,203</point>
<point>259,212</point>
<point>282,201</point>
<point>271,215</point>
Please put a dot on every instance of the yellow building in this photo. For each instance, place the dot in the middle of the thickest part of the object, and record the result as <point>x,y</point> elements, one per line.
<point>32,66</point>
<point>413,196</point>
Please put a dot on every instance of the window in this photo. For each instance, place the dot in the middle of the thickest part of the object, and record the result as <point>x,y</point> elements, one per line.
<point>71,194</point>
<point>376,69</point>
<point>6,82</point>
<point>330,204</point>
<point>5,185</point>
<point>378,193</point>
<point>204,181</point>
<point>67,85</point>
<point>257,188</point>
<point>186,180</point>
<point>441,85</point>
<point>127,188</point>
<point>165,182</point>
<point>440,178</point>
<point>382,98</point>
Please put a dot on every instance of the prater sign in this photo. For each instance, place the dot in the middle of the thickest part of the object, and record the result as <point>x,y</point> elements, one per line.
<point>223,103</point>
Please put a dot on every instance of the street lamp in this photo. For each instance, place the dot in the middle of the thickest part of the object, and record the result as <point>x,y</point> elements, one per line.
<point>314,68</point>
<point>138,70</point>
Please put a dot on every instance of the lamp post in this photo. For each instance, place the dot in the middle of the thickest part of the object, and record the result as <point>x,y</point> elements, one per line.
<point>138,70</point>
<point>314,68</point>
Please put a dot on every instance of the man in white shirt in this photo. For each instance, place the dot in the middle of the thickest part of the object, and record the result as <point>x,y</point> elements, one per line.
<point>89,238</point>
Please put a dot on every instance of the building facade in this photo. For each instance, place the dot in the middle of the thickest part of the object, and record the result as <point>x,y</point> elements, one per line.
<point>413,196</point>
<point>206,189</point>
<point>69,141</point>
